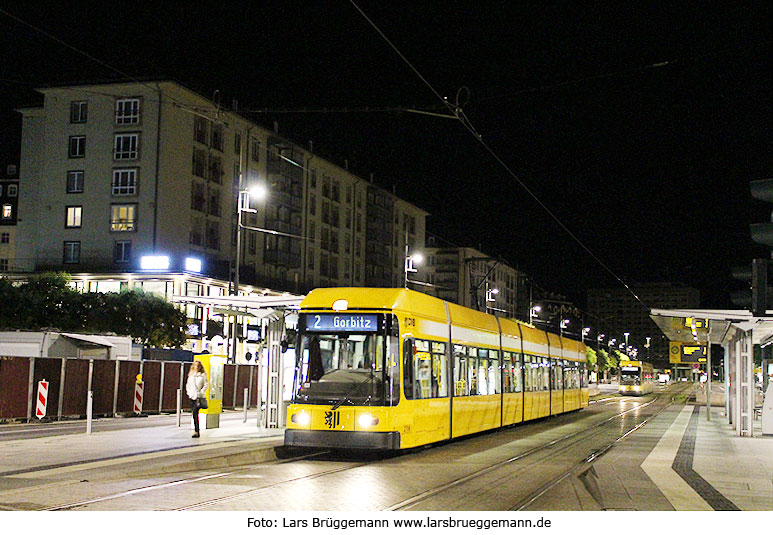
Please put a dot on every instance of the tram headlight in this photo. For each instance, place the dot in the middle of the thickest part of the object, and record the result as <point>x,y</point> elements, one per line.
<point>300,418</point>
<point>367,420</point>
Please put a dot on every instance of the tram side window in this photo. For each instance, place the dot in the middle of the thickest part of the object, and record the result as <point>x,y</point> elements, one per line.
<point>461,384</point>
<point>425,367</point>
<point>530,373</point>
<point>556,375</point>
<point>583,376</point>
<point>472,371</point>
<point>508,375</point>
<point>543,374</point>
<point>490,369</point>
<point>512,368</point>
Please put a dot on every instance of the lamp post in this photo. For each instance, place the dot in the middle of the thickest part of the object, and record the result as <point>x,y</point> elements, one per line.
<point>490,293</point>
<point>626,344</point>
<point>409,262</point>
<point>243,205</point>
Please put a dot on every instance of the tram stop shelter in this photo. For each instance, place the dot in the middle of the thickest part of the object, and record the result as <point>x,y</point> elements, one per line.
<point>277,313</point>
<point>737,331</point>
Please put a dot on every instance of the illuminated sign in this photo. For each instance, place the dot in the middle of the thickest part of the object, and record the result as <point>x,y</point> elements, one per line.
<point>342,322</point>
<point>687,353</point>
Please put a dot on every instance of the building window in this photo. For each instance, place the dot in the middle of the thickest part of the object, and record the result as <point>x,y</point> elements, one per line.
<point>72,252</point>
<point>13,190</point>
<point>123,250</point>
<point>255,150</point>
<point>200,127</point>
<point>74,181</point>
<point>5,237</point>
<point>217,137</point>
<point>77,148</point>
<point>127,111</point>
<point>124,181</point>
<point>73,216</point>
<point>3,264</point>
<point>126,147</point>
<point>237,143</point>
<point>7,212</point>
<point>123,217</point>
<point>78,110</point>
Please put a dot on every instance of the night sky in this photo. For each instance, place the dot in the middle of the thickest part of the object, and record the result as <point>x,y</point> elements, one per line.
<point>637,125</point>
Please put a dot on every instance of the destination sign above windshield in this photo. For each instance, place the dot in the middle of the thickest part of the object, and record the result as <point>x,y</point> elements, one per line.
<point>342,322</point>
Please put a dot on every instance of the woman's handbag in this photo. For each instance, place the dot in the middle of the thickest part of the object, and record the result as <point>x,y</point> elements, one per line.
<point>202,403</point>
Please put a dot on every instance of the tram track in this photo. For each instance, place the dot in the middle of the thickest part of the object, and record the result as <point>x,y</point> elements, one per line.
<point>567,441</point>
<point>557,445</point>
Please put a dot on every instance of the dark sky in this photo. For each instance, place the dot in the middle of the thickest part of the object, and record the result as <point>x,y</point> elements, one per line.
<point>638,125</point>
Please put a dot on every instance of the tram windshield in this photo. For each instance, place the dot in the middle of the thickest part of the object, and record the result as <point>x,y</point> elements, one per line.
<point>630,377</point>
<point>341,368</point>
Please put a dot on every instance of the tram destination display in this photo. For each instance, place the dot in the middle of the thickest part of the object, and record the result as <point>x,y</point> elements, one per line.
<point>342,322</point>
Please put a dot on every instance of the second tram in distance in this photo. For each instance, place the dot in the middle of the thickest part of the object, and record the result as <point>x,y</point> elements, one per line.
<point>390,368</point>
<point>636,378</point>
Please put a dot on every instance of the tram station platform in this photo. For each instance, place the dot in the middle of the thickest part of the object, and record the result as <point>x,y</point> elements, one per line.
<point>233,443</point>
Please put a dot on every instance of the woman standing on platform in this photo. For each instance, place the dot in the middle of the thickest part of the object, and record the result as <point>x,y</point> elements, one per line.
<point>196,388</point>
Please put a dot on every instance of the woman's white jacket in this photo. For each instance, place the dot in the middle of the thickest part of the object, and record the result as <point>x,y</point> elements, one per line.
<point>197,385</point>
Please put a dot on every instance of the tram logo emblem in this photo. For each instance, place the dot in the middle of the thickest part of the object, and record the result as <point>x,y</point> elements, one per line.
<point>332,419</point>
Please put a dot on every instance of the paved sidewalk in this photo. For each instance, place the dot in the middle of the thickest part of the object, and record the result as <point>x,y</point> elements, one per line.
<point>66,453</point>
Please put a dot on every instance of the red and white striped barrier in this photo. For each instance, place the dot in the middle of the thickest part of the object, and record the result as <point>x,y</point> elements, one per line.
<point>138,389</point>
<point>40,408</point>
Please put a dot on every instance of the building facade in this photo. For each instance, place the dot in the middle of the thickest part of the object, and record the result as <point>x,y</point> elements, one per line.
<point>470,278</point>
<point>118,172</point>
<point>618,308</point>
<point>9,206</point>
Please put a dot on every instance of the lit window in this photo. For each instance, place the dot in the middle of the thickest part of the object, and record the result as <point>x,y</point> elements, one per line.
<point>123,217</point>
<point>124,181</point>
<point>127,111</point>
<point>72,252</point>
<point>77,147</point>
<point>73,218</point>
<point>7,211</point>
<point>74,181</point>
<point>126,147</point>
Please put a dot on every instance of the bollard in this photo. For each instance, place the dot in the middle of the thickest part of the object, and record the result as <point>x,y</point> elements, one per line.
<point>246,394</point>
<point>89,411</point>
<point>179,407</point>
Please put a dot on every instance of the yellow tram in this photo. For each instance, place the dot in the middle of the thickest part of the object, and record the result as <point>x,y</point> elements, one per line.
<point>636,378</point>
<point>390,368</point>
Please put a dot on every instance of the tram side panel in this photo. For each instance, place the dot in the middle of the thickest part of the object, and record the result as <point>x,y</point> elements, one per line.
<point>477,402</point>
<point>423,414</point>
<point>536,373</point>
<point>512,372</point>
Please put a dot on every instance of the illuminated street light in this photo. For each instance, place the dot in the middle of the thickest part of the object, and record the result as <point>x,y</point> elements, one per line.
<point>259,192</point>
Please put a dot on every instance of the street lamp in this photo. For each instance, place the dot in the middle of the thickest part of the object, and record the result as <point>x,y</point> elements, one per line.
<point>409,263</point>
<point>490,293</point>
<point>563,325</point>
<point>259,192</point>
<point>627,349</point>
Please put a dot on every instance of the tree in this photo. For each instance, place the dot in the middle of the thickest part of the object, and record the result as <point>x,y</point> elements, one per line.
<point>48,301</point>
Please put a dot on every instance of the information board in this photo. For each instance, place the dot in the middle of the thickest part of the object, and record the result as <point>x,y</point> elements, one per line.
<point>681,353</point>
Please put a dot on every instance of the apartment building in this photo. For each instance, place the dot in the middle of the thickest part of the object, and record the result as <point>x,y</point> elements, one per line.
<point>9,197</point>
<point>468,277</point>
<point>138,184</point>
<point>118,172</point>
